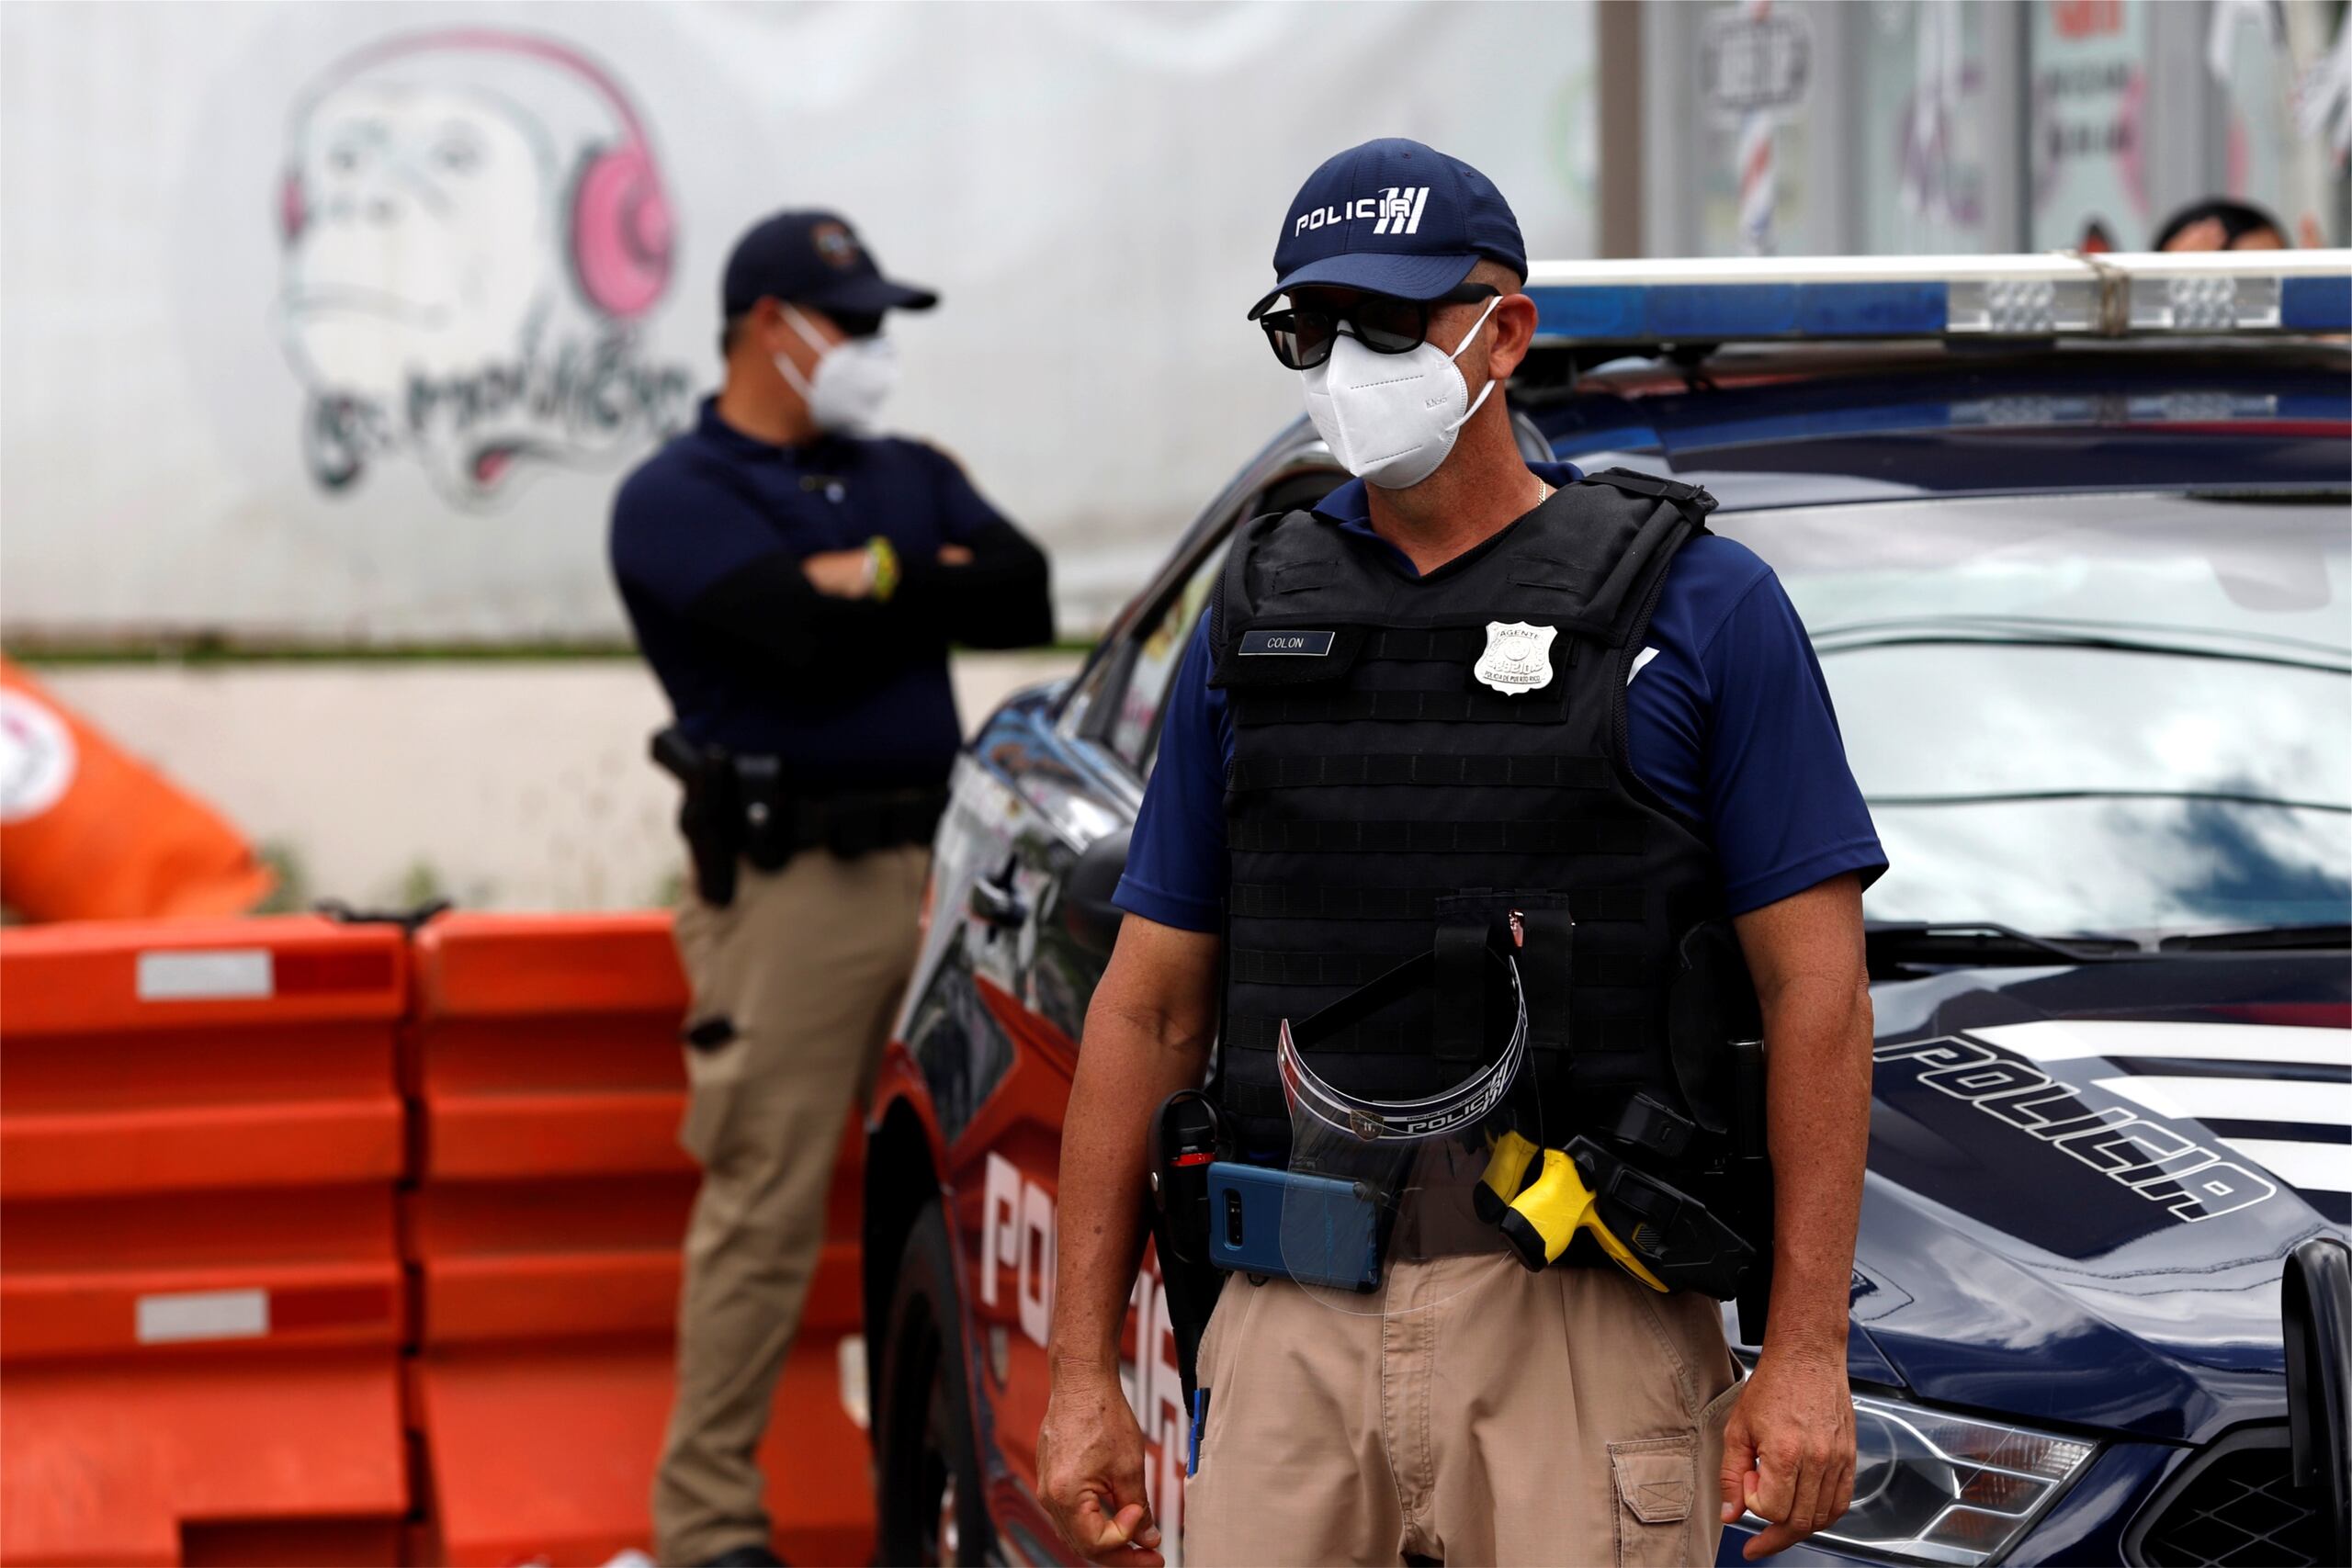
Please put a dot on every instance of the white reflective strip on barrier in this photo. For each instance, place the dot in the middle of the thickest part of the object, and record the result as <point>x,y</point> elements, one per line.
<point>222,974</point>
<point>203,1314</point>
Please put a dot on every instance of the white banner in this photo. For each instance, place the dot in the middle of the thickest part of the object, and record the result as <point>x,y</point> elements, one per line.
<point>338,323</point>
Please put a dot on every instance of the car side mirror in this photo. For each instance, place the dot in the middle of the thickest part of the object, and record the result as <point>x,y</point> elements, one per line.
<point>1088,914</point>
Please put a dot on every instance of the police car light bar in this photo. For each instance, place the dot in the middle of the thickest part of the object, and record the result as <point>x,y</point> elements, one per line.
<point>2054,294</point>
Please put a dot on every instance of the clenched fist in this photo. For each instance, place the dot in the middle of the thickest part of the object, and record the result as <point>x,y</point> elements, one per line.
<point>1090,1470</point>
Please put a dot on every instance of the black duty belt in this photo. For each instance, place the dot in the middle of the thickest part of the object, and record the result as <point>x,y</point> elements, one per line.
<point>780,821</point>
<point>745,807</point>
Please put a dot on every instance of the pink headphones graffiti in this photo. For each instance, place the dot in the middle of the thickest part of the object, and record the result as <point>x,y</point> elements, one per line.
<point>618,218</point>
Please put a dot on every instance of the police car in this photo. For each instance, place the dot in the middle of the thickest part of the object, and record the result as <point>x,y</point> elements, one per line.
<point>2072,540</point>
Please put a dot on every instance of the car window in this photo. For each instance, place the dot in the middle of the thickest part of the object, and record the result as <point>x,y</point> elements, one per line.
<point>1135,731</point>
<point>2089,713</point>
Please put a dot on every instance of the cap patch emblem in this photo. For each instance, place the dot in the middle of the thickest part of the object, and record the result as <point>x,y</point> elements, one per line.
<point>1518,656</point>
<point>836,245</point>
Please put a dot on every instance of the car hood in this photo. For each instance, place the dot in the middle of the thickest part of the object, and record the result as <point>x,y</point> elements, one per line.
<point>2084,1182</point>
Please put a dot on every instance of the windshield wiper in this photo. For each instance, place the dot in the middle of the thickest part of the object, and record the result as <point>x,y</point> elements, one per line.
<point>1825,647</point>
<point>1984,941</point>
<point>2015,797</point>
<point>2069,630</point>
<point>2262,939</point>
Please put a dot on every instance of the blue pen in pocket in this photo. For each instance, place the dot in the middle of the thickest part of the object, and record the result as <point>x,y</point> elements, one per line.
<point>1200,1419</point>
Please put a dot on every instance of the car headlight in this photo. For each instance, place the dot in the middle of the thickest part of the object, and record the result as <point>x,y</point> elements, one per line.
<point>1931,1487</point>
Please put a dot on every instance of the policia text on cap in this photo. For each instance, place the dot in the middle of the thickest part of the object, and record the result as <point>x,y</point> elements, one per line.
<point>795,581</point>
<point>1470,707</point>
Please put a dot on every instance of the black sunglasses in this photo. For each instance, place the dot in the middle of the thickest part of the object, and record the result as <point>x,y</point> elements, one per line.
<point>853,324</point>
<point>1301,336</point>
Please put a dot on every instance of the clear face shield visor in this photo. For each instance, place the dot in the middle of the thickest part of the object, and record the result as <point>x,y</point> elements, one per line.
<point>1380,1211</point>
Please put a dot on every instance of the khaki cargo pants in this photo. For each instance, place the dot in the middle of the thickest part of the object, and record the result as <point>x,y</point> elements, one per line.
<point>807,967</point>
<point>1491,1416</point>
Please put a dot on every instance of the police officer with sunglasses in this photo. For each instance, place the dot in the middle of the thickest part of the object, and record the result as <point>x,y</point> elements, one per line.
<point>1468,709</point>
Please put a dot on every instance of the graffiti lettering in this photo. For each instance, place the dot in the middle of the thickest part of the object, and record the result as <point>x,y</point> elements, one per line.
<point>446,296</point>
<point>583,401</point>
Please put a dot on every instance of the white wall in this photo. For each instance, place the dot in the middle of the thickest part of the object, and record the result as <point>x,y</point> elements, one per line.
<point>1094,188</point>
<point>512,785</point>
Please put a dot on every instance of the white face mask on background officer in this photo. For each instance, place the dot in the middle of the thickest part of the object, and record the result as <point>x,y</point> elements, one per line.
<point>802,296</point>
<point>854,375</point>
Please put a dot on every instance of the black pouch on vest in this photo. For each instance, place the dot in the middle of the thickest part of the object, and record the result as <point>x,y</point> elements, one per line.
<point>1544,952</point>
<point>1711,1003</point>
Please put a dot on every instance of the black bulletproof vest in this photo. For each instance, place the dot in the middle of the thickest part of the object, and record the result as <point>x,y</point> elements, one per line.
<point>1383,801</point>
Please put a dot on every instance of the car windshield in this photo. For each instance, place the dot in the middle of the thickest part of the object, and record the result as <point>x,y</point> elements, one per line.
<point>2089,713</point>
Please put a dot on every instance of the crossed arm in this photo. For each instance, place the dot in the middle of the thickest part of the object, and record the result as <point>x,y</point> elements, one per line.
<point>796,614</point>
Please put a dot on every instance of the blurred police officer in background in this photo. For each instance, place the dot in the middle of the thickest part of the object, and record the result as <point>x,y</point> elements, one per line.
<point>1399,758</point>
<point>795,581</point>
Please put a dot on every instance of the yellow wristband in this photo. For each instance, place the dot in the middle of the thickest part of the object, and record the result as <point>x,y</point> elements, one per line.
<point>885,560</point>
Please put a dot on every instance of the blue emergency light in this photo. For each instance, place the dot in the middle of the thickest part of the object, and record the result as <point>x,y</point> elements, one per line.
<point>2054,295</point>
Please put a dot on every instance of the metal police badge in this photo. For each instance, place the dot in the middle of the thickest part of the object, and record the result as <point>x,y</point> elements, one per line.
<point>1518,656</point>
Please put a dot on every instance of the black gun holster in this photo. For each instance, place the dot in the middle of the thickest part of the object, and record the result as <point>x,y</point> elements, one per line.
<point>711,816</point>
<point>746,807</point>
<point>1186,1136</point>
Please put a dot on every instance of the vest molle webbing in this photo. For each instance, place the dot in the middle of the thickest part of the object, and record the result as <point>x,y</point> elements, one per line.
<point>1383,796</point>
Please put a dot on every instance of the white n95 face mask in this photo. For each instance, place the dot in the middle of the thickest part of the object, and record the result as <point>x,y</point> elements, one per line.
<point>1391,419</point>
<point>853,379</point>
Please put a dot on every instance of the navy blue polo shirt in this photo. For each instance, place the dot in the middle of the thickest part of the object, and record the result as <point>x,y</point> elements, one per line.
<point>1726,717</point>
<point>714,500</point>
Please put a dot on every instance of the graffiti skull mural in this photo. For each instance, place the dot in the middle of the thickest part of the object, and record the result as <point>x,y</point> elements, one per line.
<point>474,224</point>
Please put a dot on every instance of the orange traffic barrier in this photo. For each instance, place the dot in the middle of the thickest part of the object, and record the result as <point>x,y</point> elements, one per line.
<point>545,1225</point>
<point>87,831</point>
<point>201,1299</point>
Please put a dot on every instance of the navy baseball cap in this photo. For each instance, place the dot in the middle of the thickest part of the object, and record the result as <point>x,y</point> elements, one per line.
<point>1394,217</point>
<point>812,258</point>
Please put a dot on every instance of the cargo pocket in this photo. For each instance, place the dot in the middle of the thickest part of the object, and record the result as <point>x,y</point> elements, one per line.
<point>1657,1485</point>
<point>713,1050</point>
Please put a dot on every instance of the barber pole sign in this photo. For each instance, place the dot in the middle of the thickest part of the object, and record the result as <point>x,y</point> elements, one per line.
<point>1754,67</point>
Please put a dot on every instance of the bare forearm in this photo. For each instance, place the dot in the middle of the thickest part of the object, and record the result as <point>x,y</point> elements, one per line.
<point>1133,1059</point>
<point>1818,1037</point>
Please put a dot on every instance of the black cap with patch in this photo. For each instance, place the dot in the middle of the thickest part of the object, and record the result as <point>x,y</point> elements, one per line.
<point>812,258</point>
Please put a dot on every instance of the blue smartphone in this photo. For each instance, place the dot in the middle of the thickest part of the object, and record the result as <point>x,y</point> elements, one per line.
<point>1313,1229</point>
